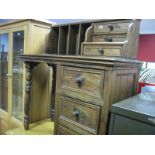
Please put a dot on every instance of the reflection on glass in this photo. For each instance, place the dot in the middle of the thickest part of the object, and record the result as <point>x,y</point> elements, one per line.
<point>4,71</point>
<point>18,45</point>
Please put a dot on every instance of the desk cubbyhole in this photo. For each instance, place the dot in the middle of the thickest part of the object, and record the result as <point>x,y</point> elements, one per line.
<point>73,40</point>
<point>63,37</point>
<point>53,45</point>
<point>82,30</point>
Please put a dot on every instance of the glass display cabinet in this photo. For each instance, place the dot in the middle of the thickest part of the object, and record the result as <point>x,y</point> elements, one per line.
<point>18,37</point>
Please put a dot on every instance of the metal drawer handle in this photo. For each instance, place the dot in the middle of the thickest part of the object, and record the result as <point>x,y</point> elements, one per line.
<point>76,113</point>
<point>79,80</point>
<point>110,26</point>
<point>101,50</point>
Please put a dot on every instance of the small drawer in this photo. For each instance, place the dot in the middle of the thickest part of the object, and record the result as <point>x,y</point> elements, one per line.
<point>77,115</point>
<point>80,83</point>
<point>99,49</point>
<point>111,27</point>
<point>109,38</point>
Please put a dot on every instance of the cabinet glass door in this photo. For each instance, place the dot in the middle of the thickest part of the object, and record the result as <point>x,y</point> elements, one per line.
<point>17,75</point>
<point>4,71</point>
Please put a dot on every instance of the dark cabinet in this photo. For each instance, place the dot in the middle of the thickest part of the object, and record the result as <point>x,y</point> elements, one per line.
<point>133,116</point>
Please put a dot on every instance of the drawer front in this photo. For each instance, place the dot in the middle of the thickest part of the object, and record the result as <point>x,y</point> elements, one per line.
<point>80,114</point>
<point>109,38</point>
<point>102,50</point>
<point>84,84</point>
<point>111,27</point>
<point>65,131</point>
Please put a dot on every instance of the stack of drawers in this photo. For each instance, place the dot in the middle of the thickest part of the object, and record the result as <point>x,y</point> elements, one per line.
<point>112,38</point>
<point>79,100</point>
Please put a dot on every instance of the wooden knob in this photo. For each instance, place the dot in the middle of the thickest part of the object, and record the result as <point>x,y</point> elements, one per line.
<point>79,80</point>
<point>76,113</point>
<point>109,39</point>
<point>110,26</point>
<point>101,50</point>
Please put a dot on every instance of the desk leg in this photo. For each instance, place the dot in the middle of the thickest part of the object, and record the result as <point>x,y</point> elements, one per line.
<point>27,95</point>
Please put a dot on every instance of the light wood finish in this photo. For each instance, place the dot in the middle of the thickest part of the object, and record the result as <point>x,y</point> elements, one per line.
<point>111,27</point>
<point>125,32</point>
<point>65,131</point>
<point>67,39</point>
<point>86,84</point>
<point>5,121</point>
<point>80,114</point>
<point>102,49</point>
<point>41,102</point>
<point>45,127</point>
<point>82,84</point>
<point>35,41</point>
<point>109,80</point>
<point>109,38</point>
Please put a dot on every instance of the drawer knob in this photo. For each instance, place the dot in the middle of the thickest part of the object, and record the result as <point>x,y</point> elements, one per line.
<point>101,50</point>
<point>79,80</point>
<point>109,39</point>
<point>76,113</point>
<point>110,26</point>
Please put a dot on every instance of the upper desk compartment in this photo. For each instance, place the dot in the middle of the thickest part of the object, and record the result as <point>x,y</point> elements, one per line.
<point>66,39</point>
<point>116,38</point>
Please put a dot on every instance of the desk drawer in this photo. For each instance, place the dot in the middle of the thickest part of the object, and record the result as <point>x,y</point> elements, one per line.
<point>96,49</point>
<point>64,131</point>
<point>109,38</point>
<point>79,114</point>
<point>81,83</point>
<point>111,27</point>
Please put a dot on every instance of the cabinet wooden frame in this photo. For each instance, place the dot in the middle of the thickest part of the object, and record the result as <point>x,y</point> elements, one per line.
<point>34,43</point>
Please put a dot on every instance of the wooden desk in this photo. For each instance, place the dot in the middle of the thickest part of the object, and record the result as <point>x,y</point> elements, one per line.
<point>91,70</point>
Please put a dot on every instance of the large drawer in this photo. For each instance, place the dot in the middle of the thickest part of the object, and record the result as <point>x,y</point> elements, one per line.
<point>80,83</point>
<point>78,115</point>
<point>111,27</point>
<point>102,49</point>
<point>109,38</point>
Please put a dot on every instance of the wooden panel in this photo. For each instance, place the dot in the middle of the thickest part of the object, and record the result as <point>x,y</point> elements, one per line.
<point>63,40</point>
<point>4,127</point>
<point>79,113</point>
<point>111,27</point>
<point>40,95</point>
<point>85,84</point>
<point>102,49</point>
<point>52,43</point>
<point>133,38</point>
<point>4,122</point>
<point>73,40</point>
<point>109,38</point>
<point>82,31</point>
<point>65,131</point>
<point>39,34</point>
<point>4,93</point>
<point>124,84</point>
